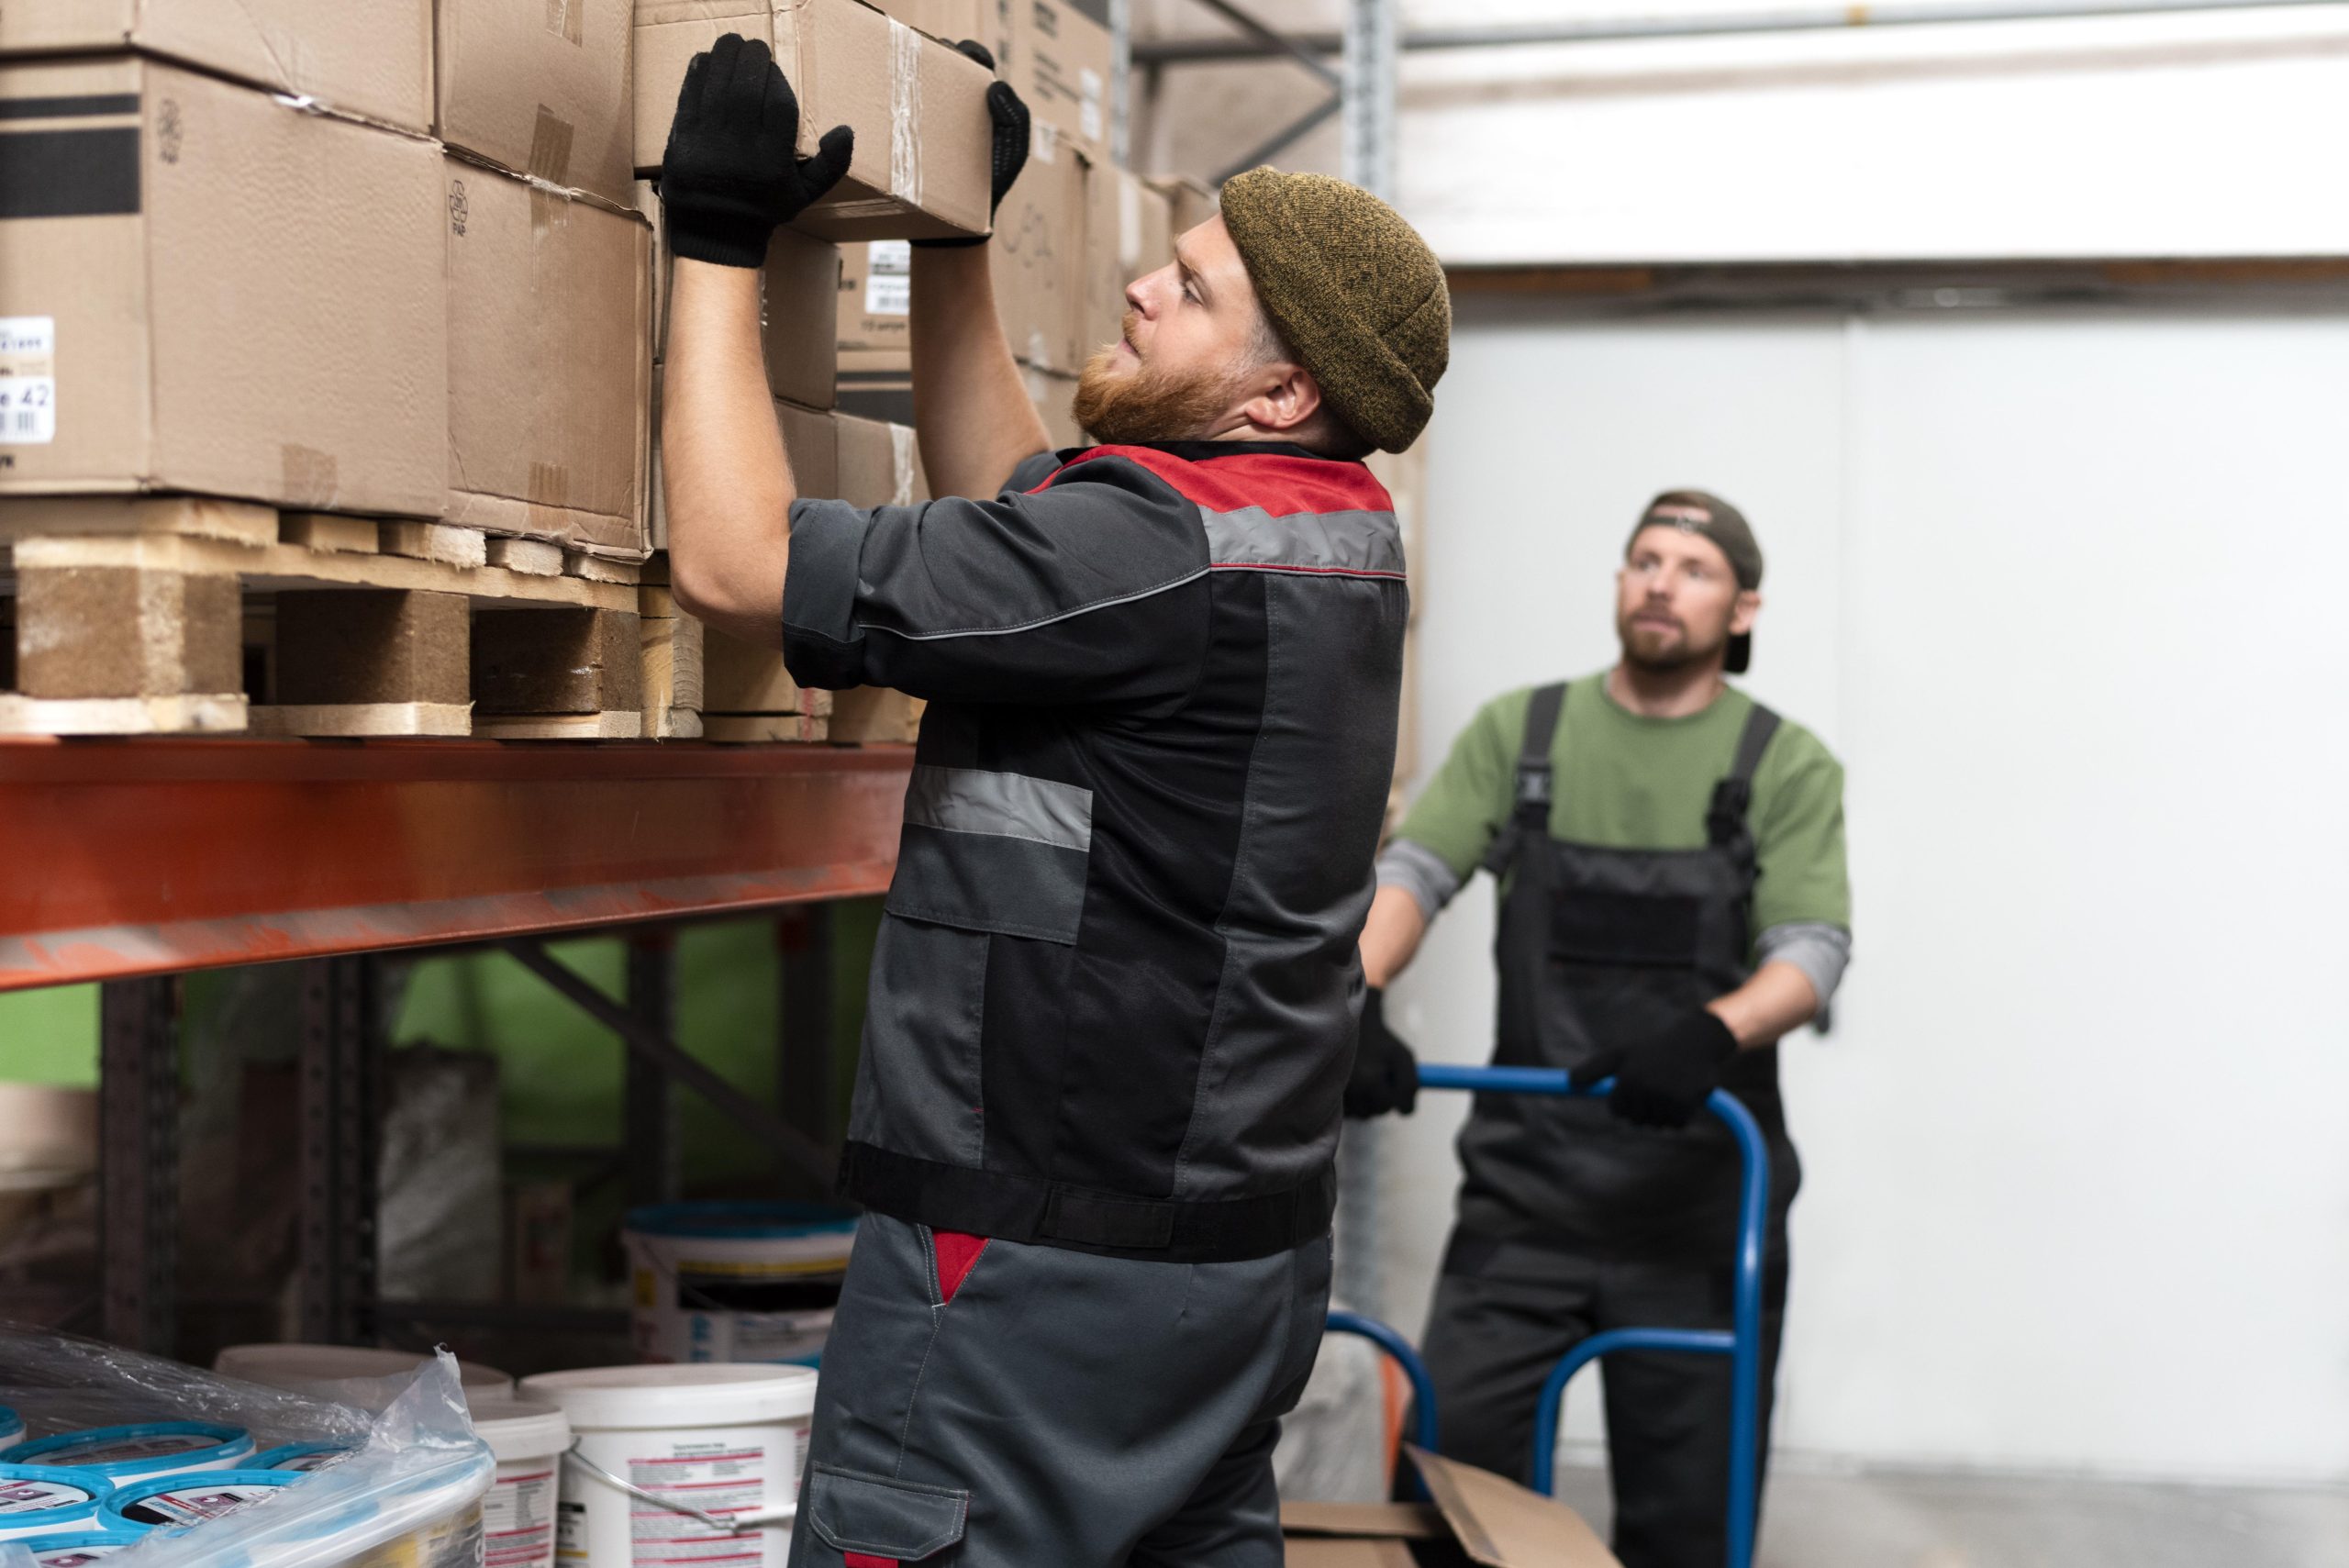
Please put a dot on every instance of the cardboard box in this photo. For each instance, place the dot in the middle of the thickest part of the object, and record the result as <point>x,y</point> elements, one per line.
<point>880,463</point>
<point>1128,232</point>
<point>1476,1516</point>
<point>875,297</point>
<point>540,90</point>
<point>372,60</point>
<point>808,438</point>
<point>802,284</point>
<point>877,383</point>
<point>1052,394</point>
<point>1055,53</point>
<point>549,301</point>
<point>157,333</point>
<point>1190,203</point>
<point>1037,259</point>
<point>1037,262</point>
<point>918,107</point>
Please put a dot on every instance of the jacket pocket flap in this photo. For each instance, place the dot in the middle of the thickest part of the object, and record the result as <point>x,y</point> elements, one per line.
<point>876,1516</point>
<point>988,882</point>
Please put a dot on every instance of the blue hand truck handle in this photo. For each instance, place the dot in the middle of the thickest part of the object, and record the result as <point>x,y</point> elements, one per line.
<point>1741,1342</point>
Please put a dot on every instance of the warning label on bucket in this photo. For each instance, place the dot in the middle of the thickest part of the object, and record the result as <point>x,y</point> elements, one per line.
<point>517,1521</point>
<point>717,1479</point>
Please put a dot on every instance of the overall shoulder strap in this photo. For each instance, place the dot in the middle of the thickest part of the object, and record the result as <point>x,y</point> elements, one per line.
<point>1530,806</point>
<point>1725,820</point>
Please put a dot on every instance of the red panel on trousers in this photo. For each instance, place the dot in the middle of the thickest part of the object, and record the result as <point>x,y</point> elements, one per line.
<point>957,1255</point>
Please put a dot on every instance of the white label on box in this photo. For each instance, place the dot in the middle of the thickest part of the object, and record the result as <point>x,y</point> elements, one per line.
<point>1088,108</point>
<point>28,380</point>
<point>1043,141</point>
<point>889,278</point>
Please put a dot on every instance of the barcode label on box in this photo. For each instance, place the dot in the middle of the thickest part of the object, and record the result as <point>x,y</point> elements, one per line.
<point>889,278</point>
<point>28,380</point>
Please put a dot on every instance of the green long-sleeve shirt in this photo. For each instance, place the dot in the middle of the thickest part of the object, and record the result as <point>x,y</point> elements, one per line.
<point>1627,782</point>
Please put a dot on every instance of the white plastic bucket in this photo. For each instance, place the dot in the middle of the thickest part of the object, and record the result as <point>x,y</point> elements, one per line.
<point>323,1372</point>
<point>39,1499</point>
<point>736,1282</point>
<point>527,1438</point>
<point>179,1502</point>
<point>729,1441</point>
<point>125,1454</point>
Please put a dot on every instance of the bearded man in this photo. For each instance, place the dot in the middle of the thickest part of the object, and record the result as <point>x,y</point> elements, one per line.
<point>1113,1001</point>
<point>1669,856</point>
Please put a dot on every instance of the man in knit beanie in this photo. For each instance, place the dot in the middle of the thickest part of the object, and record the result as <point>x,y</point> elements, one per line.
<point>1113,997</point>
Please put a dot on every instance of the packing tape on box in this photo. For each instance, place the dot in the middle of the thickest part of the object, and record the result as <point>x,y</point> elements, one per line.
<point>905,113</point>
<point>901,461</point>
<point>551,140</point>
<point>308,476</point>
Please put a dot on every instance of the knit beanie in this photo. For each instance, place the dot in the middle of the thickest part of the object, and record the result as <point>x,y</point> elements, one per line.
<point>1354,289</point>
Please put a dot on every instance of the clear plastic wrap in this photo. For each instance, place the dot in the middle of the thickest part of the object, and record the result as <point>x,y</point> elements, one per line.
<point>409,1497</point>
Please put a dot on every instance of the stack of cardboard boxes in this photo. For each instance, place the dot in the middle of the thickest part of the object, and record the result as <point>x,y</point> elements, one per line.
<point>1073,232</point>
<point>394,270</point>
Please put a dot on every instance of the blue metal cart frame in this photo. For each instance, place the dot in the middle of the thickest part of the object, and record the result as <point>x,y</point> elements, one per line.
<point>1741,1341</point>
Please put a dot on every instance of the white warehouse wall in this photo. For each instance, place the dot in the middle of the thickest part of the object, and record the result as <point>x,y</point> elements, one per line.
<point>2063,590</point>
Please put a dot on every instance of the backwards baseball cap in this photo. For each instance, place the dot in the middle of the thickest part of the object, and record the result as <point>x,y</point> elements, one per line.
<point>1704,514</point>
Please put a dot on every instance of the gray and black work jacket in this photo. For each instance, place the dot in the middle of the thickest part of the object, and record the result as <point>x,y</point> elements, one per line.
<point>1112,1006</point>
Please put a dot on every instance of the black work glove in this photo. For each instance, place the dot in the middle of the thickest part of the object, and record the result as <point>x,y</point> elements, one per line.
<point>1010,154</point>
<point>1386,1076</point>
<point>732,172</point>
<point>1662,1081</point>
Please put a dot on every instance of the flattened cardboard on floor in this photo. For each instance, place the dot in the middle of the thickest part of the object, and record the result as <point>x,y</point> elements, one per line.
<point>538,89</point>
<point>1476,1516</point>
<point>919,108</point>
<point>550,364</point>
<point>372,60</point>
<point>156,333</point>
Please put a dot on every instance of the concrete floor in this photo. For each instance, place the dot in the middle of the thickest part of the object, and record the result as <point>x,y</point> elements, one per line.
<point>1892,1519</point>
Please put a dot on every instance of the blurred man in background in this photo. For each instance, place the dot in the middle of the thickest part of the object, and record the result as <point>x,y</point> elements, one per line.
<point>1670,860</point>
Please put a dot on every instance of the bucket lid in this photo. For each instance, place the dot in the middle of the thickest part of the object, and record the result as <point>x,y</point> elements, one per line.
<point>519,1429</point>
<point>700,1394</point>
<point>116,1535</point>
<point>78,1492</point>
<point>295,1366</point>
<point>181,1444</point>
<point>741,1221</point>
<point>308,1458</point>
<point>195,1483</point>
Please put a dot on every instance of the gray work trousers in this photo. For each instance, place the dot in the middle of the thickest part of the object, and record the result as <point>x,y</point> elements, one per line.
<point>1506,1313</point>
<point>1049,1408</point>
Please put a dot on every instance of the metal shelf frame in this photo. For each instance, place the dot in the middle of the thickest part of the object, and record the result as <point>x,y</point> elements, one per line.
<point>130,863</point>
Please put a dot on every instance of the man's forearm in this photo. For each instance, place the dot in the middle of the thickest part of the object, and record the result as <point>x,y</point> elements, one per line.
<point>1391,935</point>
<point>1776,1001</point>
<point>727,482</point>
<point>971,411</point>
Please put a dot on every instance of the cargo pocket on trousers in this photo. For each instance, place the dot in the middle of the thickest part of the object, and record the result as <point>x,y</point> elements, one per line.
<point>873,1517</point>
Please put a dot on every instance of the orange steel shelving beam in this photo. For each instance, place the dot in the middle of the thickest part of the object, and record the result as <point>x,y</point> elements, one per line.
<point>151,856</point>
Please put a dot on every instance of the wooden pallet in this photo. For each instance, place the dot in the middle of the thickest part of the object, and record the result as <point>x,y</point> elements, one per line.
<point>136,615</point>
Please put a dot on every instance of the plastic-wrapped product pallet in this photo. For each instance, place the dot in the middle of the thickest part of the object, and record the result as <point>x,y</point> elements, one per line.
<point>406,1492</point>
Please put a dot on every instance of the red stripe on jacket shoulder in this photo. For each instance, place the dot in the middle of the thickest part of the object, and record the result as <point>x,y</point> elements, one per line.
<point>1282,484</point>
